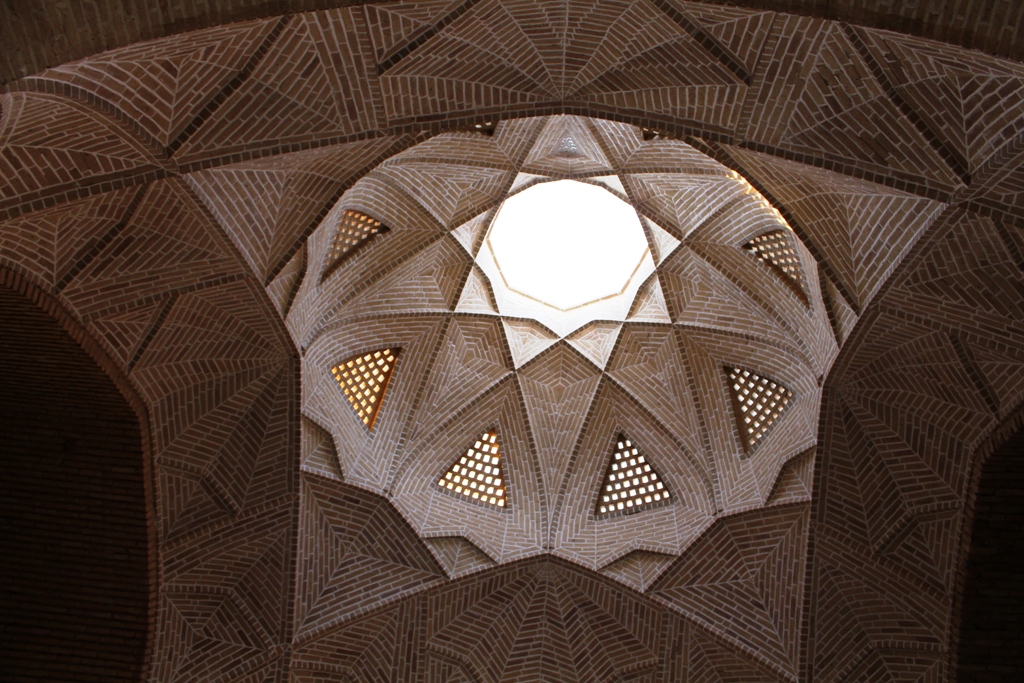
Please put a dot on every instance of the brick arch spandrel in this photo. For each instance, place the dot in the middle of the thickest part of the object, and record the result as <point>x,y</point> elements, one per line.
<point>162,86</point>
<point>349,536</point>
<point>709,30</point>
<point>335,95</point>
<point>207,356</point>
<point>267,206</point>
<point>33,290</point>
<point>55,243</point>
<point>918,389</point>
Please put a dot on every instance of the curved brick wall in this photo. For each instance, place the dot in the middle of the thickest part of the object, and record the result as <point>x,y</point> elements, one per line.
<point>50,33</point>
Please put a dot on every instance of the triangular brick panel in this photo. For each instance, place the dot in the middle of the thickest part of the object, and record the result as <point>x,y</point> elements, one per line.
<point>741,31</point>
<point>649,365</point>
<point>169,238</point>
<point>429,281</point>
<point>566,145</point>
<point>743,579</point>
<point>862,230</point>
<point>55,243</point>
<point>557,390</point>
<point>318,452</point>
<point>163,85</point>
<point>969,118</point>
<point>831,116</point>
<point>639,569</point>
<point>392,27</point>
<point>452,193</point>
<point>283,288</point>
<point>470,360</point>
<point>52,144</point>
<point>351,535</point>
<point>335,97</point>
<point>459,556</point>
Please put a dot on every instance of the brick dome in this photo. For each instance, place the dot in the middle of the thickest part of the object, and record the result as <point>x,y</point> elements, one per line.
<point>558,397</point>
<point>234,221</point>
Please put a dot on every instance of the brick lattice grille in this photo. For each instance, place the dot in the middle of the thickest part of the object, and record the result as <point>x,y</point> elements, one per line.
<point>631,484</point>
<point>477,474</point>
<point>777,250</point>
<point>364,379</point>
<point>759,402</point>
<point>354,230</point>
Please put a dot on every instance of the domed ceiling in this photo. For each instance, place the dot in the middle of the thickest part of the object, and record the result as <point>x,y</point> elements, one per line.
<point>181,199</point>
<point>720,312</point>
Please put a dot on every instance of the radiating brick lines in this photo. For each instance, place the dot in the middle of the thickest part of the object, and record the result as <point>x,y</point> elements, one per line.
<point>481,360</point>
<point>906,411</point>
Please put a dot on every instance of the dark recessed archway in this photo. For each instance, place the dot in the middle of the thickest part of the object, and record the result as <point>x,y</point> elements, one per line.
<point>991,648</point>
<point>73,527</point>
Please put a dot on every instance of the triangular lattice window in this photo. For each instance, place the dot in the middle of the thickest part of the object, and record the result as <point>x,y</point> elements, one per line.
<point>631,484</point>
<point>778,251</point>
<point>364,379</point>
<point>759,403</point>
<point>354,230</point>
<point>477,475</point>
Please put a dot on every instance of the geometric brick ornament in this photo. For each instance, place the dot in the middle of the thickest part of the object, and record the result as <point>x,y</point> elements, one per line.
<point>477,475</point>
<point>354,230</point>
<point>759,403</point>
<point>364,379</point>
<point>631,484</point>
<point>777,250</point>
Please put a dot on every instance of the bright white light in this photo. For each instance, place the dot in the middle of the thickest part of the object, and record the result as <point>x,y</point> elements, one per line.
<point>565,253</point>
<point>567,243</point>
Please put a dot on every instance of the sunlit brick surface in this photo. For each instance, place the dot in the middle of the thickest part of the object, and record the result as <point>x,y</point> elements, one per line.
<point>179,199</point>
<point>477,474</point>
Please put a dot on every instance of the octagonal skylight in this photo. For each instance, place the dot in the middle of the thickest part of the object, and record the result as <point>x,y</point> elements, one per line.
<point>566,253</point>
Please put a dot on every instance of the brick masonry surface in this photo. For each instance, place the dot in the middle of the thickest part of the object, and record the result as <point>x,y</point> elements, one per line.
<point>50,33</point>
<point>174,199</point>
